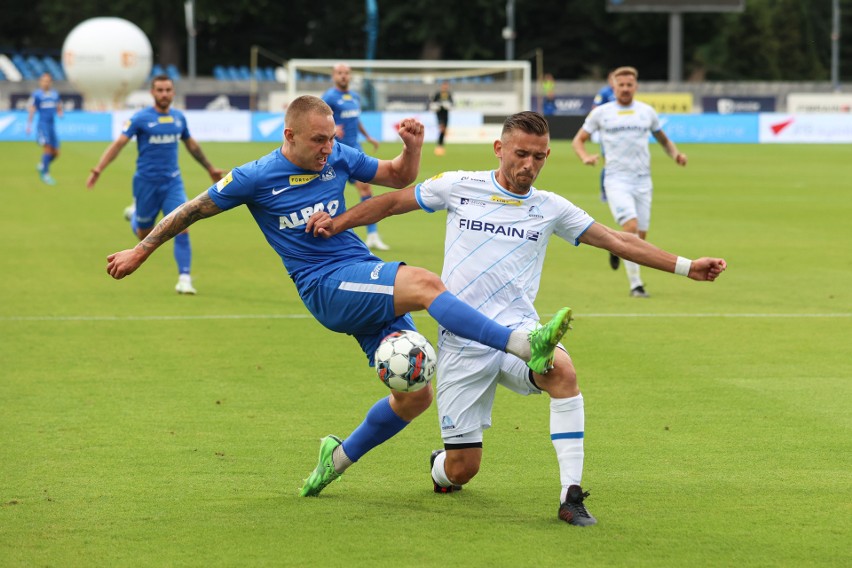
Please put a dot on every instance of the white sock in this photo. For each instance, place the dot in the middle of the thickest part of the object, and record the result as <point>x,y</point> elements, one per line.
<point>340,460</point>
<point>633,274</point>
<point>438,473</point>
<point>519,345</point>
<point>567,423</point>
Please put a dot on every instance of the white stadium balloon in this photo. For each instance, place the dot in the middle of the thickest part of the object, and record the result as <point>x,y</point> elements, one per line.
<point>106,59</point>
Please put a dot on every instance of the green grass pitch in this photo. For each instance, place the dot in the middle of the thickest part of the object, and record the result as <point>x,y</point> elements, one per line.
<point>143,428</point>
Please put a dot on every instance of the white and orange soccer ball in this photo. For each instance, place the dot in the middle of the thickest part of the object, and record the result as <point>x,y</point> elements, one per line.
<point>405,361</point>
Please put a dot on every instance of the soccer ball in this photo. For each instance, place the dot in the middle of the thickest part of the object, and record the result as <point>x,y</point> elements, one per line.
<point>405,361</point>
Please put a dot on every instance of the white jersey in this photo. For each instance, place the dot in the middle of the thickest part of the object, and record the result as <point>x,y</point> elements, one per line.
<point>624,132</point>
<point>496,243</point>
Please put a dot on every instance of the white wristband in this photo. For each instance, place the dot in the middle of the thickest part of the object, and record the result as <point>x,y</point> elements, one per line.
<point>682,266</point>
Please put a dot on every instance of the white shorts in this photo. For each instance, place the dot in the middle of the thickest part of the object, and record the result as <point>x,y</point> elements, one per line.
<point>630,199</point>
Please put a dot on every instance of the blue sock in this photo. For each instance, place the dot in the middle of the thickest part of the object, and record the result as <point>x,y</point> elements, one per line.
<point>45,162</point>
<point>372,227</point>
<point>183,253</point>
<point>380,425</point>
<point>461,319</point>
<point>133,226</point>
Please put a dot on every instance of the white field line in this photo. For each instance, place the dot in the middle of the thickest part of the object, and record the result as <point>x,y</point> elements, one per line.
<point>309,316</point>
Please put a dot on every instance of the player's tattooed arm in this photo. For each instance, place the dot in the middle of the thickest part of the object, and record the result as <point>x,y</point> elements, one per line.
<point>179,220</point>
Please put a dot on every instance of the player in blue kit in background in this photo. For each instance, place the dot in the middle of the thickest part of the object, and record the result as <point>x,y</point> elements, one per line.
<point>157,183</point>
<point>46,102</point>
<point>346,105</point>
<point>345,287</point>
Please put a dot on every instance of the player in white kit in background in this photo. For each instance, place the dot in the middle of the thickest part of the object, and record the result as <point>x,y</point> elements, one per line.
<point>498,227</point>
<point>624,126</point>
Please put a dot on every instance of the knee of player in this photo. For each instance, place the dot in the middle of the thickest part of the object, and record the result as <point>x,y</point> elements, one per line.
<point>426,283</point>
<point>410,405</point>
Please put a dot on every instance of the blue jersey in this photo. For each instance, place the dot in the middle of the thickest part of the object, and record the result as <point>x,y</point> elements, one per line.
<point>282,196</point>
<point>346,106</point>
<point>157,137</point>
<point>605,95</point>
<point>47,104</point>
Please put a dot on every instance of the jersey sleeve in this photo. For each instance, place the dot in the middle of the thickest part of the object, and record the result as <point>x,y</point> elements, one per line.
<point>361,166</point>
<point>184,133</point>
<point>236,188</point>
<point>571,221</point>
<point>131,127</point>
<point>434,193</point>
<point>592,122</point>
<point>655,120</point>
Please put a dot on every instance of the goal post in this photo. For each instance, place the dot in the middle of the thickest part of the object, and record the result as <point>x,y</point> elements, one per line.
<point>494,88</point>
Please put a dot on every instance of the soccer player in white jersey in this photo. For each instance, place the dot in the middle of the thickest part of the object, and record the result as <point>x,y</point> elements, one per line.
<point>498,228</point>
<point>624,126</point>
<point>344,286</point>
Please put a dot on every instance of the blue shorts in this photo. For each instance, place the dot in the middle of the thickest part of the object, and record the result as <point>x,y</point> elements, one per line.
<point>358,300</point>
<point>46,136</point>
<point>151,197</point>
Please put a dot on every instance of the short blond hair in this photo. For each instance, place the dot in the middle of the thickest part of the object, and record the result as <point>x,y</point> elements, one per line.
<point>626,71</point>
<point>304,105</point>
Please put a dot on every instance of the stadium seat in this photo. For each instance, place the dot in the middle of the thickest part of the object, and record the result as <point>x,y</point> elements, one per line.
<point>219,73</point>
<point>173,72</point>
<point>2,76</point>
<point>54,68</point>
<point>23,67</point>
<point>244,72</point>
<point>157,69</point>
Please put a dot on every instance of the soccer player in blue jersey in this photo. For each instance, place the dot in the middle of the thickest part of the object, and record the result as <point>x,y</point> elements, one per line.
<point>344,286</point>
<point>346,105</point>
<point>157,183</point>
<point>497,232</point>
<point>45,101</point>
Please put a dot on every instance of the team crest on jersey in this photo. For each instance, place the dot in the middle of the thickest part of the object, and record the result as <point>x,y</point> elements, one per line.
<point>535,212</point>
<point>302,179</point>
<point>220,185</point>
<point>328,174</point>
<point>447,423</point>
<point>505,201</point>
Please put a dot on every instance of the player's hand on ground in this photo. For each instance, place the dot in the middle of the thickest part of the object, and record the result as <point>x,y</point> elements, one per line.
<point>707,269</point>
<point>320,224</point>
<point>411,131</point>
<point>591,160</point>
<point>124,263</point>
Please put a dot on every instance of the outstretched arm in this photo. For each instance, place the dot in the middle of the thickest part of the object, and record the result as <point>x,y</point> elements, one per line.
<point>670,148</point>
<point>108,156</point>
<point>630,247</point>
<point>579,146</point>
<point>124,263</point>
<point>402,170</point>
<point>367,212</point>
<point>195,151</point>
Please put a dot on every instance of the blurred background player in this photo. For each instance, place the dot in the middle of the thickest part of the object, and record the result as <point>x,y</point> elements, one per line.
<point>157,183</point>
<point>548,89</point>
<point>605,95</point>
<point>346,106</point>
<point>442,104</point>
<point>624,126</point>
<point>45,101</point>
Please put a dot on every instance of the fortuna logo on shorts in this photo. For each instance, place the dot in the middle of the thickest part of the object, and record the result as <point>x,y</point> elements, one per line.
<point>513,232</point>
<point>374,275</point>
<point>300,218</point>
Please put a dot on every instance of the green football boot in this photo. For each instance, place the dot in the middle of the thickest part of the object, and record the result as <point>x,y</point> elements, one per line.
<point>324,472</point>
<point>543,341</point>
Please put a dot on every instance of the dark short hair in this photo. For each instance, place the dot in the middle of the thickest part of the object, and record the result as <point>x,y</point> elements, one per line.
<point>160,77</point>
<point>527,121</point>
<point>304,105</point>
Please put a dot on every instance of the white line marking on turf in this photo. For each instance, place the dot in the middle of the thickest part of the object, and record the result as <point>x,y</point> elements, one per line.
<point>309,316</point>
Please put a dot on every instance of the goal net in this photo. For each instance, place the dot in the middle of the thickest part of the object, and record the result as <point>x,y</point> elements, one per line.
<point>492,88</point>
